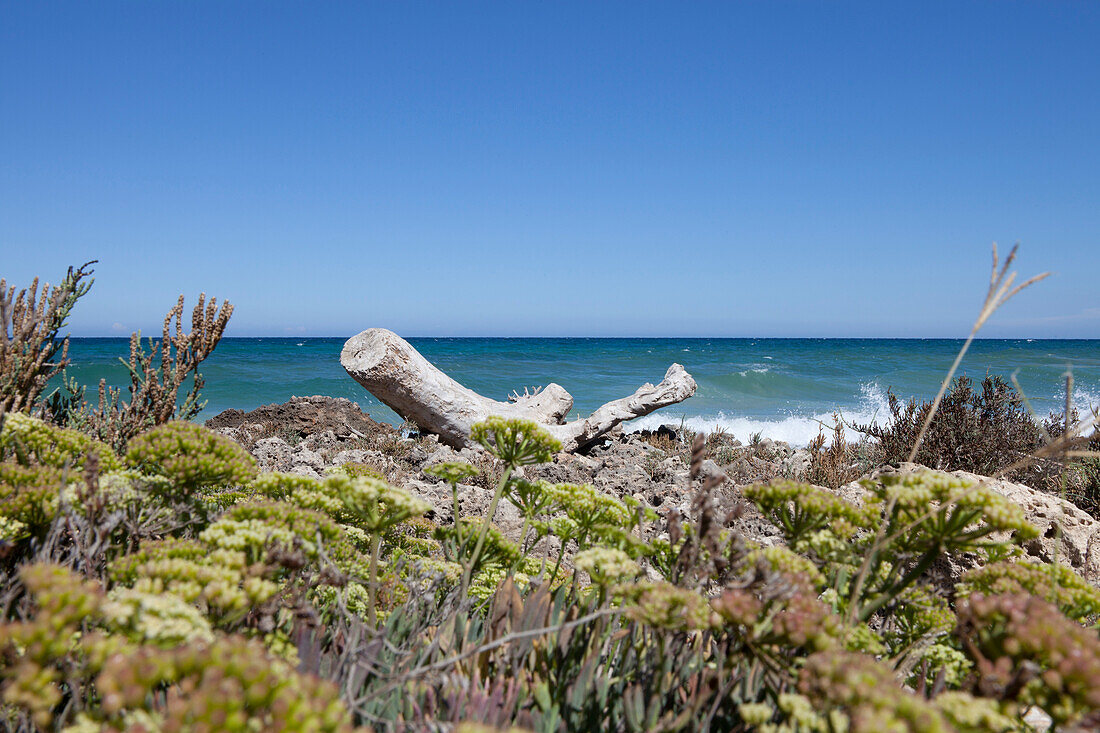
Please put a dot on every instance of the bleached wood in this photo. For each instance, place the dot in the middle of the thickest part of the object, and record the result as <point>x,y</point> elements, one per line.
<point>402,379</point>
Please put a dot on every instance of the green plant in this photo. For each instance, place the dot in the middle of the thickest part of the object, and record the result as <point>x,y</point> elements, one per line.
<point>516,443</point>
<point>196,595</point>
<point>191,456</point>
<point>26,439</point>
<point>62,665</point>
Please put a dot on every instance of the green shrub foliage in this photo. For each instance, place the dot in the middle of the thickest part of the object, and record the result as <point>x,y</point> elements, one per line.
<point>188,593</point>
<point>191,456</point>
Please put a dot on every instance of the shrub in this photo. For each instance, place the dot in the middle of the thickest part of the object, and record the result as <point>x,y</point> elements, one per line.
<point>30,351</point>
<point>191,456</point>
<point>62,666</point>
<point>26,438</point>
<point>981,430</point>
<point>158,371</point>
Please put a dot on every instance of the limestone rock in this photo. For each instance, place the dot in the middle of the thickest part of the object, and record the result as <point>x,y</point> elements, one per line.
<point>273,454</point>
<point>302,469</point>
<point>304,416</point>
<point>303,456</point>
<point>353,455</point>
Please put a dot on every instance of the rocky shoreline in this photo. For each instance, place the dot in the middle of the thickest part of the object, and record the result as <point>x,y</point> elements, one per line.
<point>309,435</point>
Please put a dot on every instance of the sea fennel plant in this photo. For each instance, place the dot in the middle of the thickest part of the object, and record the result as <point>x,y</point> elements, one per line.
<point>190,576</point>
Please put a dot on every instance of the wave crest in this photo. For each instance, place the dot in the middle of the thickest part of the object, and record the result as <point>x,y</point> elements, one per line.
<point>798,430</point>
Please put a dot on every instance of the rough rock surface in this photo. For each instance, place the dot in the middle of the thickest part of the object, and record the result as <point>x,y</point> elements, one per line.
<point>650,466</point>
<point>304,416</point>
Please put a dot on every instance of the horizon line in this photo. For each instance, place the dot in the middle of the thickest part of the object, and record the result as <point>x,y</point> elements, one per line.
<point>643,338</point>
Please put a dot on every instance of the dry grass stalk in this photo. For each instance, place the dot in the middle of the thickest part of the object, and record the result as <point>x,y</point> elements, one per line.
<point>30,352</point>
<point>1000,291</point>
<point>157,375</point>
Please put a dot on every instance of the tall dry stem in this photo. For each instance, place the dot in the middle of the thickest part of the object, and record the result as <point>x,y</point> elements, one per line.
<point>157,373</point>
<point>1000,291</point>
<point>30,352</point>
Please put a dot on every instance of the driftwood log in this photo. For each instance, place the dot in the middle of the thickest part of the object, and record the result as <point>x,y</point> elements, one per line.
<point>402,379</point>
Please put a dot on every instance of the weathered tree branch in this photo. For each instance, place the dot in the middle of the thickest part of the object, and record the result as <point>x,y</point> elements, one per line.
<point>402,379</point>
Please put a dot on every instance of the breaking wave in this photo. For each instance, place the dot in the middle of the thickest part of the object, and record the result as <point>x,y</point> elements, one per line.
<point>798,430</point>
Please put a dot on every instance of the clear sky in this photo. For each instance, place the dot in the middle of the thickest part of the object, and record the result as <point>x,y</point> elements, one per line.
<point>591,169</point>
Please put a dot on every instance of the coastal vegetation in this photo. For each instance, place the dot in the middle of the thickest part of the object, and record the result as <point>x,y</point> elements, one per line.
<point>155,578</point>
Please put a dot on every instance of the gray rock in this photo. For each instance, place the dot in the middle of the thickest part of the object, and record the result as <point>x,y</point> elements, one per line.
<point>322,441</point>
<point>566,468</point>
<point>272,454</point>
<point>354,455</point>
<point>303,456</point>
<point>711,469</point>
<point>796,464</point>
<point>302,469</point>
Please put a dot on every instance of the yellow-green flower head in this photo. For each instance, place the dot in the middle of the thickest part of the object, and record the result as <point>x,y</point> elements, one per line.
<point>356,470</point>
<point>800,711</point>
<point>783,560</point>
<point>162,619</point>
<point>191,456</point>
<point>514,441</point>
<point>586,505</point>
<point>1056,584</point>
<point>31,495</point>
<point>11,529</point>
<point>218,580</point>
<point>954,664</point>
<point>920,613</point>
<point>486,582</point>
<point>665,606</point>
<point>453,472</point>
<point>606,566</point>
<point>916,493</point>
<point>280,486</point>
<point>755,713</point>
<point>251,536</point>
<point>53,446</point>
<point>375,504</point>
<point>971,713</point>
<point>234,684</point>
<point>800,509</point>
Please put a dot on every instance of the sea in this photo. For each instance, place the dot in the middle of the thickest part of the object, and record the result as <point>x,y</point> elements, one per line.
<point>785,389</point>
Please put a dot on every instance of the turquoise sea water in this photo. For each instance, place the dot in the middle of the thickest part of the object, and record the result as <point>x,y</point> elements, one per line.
<point>781,387</point>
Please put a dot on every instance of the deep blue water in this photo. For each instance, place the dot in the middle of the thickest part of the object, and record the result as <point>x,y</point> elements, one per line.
<point>782,387</point>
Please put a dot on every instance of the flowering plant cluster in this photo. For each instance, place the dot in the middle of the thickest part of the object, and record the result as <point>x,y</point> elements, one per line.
<point>190,593</point>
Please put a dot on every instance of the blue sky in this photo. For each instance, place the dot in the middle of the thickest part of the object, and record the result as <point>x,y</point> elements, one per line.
<point>726,169</point>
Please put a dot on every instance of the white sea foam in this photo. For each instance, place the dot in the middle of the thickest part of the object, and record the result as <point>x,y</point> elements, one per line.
<point>1086,400</point>
<point>798,430</point>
